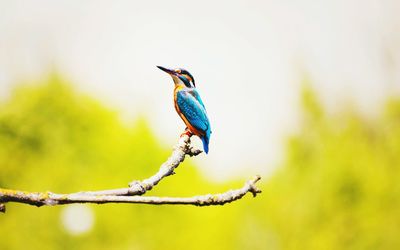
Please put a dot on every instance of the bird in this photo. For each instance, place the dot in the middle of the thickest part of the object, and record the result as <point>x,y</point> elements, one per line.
<point>189,106</point>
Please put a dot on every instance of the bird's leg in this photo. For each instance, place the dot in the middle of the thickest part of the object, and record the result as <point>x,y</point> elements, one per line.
<point>187,132</point>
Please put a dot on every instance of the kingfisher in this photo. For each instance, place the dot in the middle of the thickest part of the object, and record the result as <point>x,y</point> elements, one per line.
<point>189,105</point>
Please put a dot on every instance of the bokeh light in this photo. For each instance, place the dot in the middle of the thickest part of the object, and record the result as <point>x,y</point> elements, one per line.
<point>77,219</point>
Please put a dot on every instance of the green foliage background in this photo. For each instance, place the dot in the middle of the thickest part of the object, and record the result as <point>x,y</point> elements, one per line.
<point>338,187</point>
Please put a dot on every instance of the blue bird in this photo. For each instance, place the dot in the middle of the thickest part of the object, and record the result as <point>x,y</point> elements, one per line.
<point>189,105</point>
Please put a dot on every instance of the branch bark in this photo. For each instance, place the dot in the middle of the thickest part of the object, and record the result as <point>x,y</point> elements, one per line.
<point>132,194</point>
<point>52,199</point>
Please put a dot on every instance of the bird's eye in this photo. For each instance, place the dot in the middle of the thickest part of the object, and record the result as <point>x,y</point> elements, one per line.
<point>188,77</point>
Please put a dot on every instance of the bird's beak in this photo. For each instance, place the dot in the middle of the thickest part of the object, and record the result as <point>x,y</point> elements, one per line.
<point>169,71</point>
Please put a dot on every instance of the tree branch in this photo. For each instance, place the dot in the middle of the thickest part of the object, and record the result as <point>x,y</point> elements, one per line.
<point>52,199</point>
<point>132,193</point>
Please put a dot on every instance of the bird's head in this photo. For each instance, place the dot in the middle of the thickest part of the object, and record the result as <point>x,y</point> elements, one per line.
<point>180,76</point>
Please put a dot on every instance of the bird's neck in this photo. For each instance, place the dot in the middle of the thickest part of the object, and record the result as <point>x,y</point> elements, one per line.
<point>179,87</point>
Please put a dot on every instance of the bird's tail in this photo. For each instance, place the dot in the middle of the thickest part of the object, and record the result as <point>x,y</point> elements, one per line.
<point>205,139</point>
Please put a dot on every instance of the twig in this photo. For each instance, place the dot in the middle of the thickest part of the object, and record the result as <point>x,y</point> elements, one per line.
<point>51,199</point>
<point>182,149</point>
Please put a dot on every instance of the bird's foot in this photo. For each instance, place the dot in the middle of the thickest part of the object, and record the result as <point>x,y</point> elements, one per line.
<point>187,132</point>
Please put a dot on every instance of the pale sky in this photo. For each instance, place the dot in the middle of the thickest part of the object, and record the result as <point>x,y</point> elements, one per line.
<point>247,57</point>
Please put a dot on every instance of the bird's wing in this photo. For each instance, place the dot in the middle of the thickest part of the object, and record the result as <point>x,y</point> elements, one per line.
<point>193,110</point>
<point>196,95</point>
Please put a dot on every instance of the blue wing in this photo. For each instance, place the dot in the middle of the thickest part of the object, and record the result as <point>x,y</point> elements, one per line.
<point>192,107</point>
<point>197,96</point>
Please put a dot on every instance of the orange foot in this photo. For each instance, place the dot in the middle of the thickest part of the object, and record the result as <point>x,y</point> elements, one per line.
<point>187,132</point>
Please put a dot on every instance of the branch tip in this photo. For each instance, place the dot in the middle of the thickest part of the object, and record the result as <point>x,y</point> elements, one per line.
<point>252,185</point>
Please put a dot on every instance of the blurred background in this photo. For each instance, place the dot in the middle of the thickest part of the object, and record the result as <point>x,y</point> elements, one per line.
<point>305,93</point>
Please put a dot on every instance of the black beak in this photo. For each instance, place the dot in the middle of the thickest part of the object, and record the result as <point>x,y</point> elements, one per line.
<point>169,71</point>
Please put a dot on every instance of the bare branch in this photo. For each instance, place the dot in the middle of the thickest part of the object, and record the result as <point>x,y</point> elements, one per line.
<point>52,199</point>
<point>182,149</point>
<point>135,189</point>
